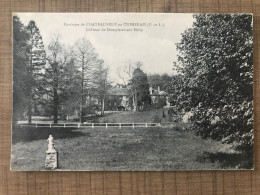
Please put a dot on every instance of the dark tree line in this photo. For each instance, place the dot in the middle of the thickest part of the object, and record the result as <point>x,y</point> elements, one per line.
<point>63,80</point>
<point>29,60</point>
<point>215,78</point>
<point>55,82</point>
<point>157,80</point>
<point>20,61</point>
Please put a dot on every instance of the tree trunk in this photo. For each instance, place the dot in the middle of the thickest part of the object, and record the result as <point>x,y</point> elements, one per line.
<point>30,88</point>
<point>29,113</point>
<point>135,102</point>
<point>81,106</point>
<point>35,109</point>
<point>55,96</point>
<point>102,106</point>
<point>82,93</point>
<point>55,105</point>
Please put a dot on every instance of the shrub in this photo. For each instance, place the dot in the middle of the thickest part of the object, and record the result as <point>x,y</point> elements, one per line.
<point>156,117</point>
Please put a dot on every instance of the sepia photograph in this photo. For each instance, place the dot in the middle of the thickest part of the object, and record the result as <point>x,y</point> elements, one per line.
<point>132,92</point>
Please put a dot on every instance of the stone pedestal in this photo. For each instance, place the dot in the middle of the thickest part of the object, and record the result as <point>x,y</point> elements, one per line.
<point>51,161</point>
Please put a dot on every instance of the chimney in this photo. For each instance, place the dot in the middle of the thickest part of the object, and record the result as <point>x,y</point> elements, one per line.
<point>158,89</point>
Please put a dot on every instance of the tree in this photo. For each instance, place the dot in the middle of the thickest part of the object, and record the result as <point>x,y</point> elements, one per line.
<point>86,58</point>
<point>179,92</point>
<point>216,71</point>
<point>20,63</point>
<point>69,97</point>
<point>125,72</point>
<point>57,58</point>
<point>140,90</point>
<point>101,83</point>
<point>156,80</point>
<point>36,54</point>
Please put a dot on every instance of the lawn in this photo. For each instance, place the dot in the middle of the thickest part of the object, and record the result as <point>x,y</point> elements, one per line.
<point>134,117</point>
<point>151,148</point>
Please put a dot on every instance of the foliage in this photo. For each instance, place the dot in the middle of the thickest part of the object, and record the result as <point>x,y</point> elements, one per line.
<point>20,62</point>
<point>70,93</point>
<point>163,115</point>
<point>90,108</point>
<point>112,102</point>
<point>100,83</point>
<point>140,90</point>
<point>35,68</point>
<point>86,58</point>
<point>29,61</point>
<point>159,102</point>
<point>156,117</point>
<point>157,80</point>
<point>216,76</point>
<point>178,93</point>
<point>55,76</point>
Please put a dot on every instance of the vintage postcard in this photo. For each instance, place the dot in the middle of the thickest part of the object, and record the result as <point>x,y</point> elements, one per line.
<point>132,91</point>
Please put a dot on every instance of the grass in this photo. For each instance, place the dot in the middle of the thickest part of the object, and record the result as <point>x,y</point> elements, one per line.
<point>133,117</point>
<point>118,149</point>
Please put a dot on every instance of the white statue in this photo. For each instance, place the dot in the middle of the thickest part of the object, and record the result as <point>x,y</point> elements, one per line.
<point>51,148</point>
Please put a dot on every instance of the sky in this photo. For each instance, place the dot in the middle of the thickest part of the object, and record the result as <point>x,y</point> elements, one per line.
<point>151,37</point>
